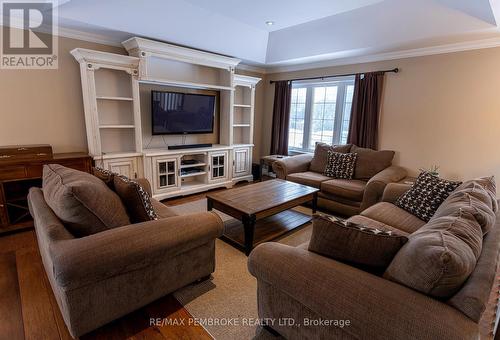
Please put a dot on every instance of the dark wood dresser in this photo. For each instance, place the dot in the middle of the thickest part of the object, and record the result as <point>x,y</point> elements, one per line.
<point>19,171</point>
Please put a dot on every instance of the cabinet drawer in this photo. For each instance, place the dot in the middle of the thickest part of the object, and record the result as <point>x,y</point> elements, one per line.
<point>13,172</point>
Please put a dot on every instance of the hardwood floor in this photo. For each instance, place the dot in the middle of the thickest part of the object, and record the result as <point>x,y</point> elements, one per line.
<point>28,309</point>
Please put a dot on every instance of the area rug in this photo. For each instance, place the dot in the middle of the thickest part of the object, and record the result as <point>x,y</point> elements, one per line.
<point>226,304</point>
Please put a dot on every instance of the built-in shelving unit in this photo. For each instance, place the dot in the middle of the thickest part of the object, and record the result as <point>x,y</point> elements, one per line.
<point>110,84</point>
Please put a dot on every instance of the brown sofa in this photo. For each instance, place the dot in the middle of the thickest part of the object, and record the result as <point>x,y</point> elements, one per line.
<point>101,277</point>
<point>296,283</point>
<point>374,170</point>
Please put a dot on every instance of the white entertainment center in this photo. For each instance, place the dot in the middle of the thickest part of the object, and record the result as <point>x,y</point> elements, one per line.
<point>118,122</point>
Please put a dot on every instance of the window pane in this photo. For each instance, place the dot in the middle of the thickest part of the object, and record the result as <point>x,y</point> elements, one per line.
<point>319,94</point>
<point>323,115</point>
<point>301,95</point>
<point>347,114</point>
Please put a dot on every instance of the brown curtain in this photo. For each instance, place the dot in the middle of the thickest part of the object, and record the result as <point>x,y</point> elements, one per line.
<point>281,117</point>
<point>363,126</point>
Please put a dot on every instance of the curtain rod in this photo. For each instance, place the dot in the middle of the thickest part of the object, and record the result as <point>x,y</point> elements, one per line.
<point>394,70</point>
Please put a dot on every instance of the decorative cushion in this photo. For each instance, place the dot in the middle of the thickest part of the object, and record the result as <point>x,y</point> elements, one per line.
<point>347,188</point>
<point>367,248</point>
<point>135,199</point>
<point>310,178</point>
<point>318,163</point>
<point>81,201</point>
<point>104,175</point>
<point>439,257</point>
<point>370,162</point>
<point>340,165</point>
<point>426,195</point>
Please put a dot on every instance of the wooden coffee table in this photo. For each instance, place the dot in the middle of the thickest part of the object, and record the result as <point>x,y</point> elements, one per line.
<point>258,201</point>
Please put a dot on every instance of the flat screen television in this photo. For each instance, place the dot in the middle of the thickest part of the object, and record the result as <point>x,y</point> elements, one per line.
<point>182,113</point>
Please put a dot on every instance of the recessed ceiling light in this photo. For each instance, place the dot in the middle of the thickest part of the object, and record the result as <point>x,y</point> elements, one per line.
<point>269,23</point>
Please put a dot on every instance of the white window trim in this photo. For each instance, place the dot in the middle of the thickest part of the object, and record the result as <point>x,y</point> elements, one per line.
<point>342,84</point>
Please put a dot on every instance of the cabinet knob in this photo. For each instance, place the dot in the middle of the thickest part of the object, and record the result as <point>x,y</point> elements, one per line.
<point>1,205</point>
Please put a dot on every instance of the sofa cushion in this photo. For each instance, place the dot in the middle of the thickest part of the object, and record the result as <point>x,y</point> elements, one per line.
<point>439,258</point>
<point>472,199</point>
<point>359,245</point>
<point>83,202</point>
<point>488,185</point>
<point>318,163</point>
<point>135,198</point>
<point>396,217</point>
<point>340,165</point>
<point>366,221</point>
<point>370,162</point>
<point>426,195</point>
<point>351,189</point>
<point>310,178</point>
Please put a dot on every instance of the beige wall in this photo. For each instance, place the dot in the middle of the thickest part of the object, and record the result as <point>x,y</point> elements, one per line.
<point>46,106</point>
<point>442,109</point>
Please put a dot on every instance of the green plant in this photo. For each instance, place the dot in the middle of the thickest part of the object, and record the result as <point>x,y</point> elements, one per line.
<point>433,170</point>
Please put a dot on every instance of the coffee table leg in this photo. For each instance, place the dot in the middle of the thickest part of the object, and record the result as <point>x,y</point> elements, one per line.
<point>315,202</point>
<point>209,204</point>
<point>249,227</point>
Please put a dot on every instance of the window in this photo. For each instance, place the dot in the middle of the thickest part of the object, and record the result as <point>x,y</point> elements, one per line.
<point>320,112</point>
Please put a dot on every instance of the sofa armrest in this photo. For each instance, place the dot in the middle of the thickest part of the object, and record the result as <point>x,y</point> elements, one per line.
<point>376,185</point>
<point>97,257</point>
<point>294,164</point>
<point>393,191</point>
<point>336,291</point>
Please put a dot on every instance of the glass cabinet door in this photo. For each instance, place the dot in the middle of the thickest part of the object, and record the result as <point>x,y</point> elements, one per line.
<point>218,163</point>
<point>166,172</point>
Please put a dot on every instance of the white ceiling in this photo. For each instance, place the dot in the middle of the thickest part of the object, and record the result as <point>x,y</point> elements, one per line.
<point>284,13</point>
<point>304,31</point>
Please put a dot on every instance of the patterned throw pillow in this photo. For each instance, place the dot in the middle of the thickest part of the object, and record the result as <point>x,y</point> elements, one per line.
<point>135,199</point>
<point>105,175</point>
<point>426,195</point>
<point>363,247</point>
<point>340,165</point>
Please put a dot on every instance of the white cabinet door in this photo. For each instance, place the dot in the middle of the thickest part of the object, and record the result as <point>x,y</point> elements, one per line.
<point>217,166</point>
<point>122,166</point>
<point>165,174</point>
<point>241,162</point>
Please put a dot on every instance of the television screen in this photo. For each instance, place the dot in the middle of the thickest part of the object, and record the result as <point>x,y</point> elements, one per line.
<point>180,113</point>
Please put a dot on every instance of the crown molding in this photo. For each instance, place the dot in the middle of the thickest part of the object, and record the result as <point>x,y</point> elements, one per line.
<point>251,68</point>
<point>90,37</point>
<point>411,53</point>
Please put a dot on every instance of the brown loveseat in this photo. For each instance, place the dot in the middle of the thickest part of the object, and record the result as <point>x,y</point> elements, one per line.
<point>374,170</point>
<point>101,277</point>
<point>296,283</point>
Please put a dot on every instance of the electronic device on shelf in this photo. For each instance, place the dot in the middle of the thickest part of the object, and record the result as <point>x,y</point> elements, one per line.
<point>190,171</point>
<point>176,113</point>
<point>189,161</point>
<point>189,146</point>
